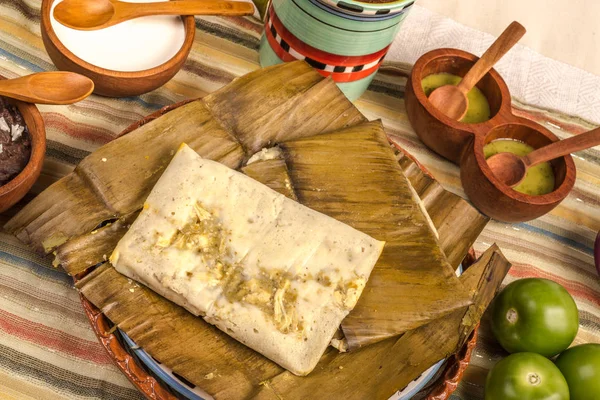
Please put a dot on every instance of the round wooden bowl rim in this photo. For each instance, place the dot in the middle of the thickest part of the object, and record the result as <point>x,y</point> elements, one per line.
<point>505,103</point>
<point>38,147</point>
<point>557,194</point>
<point>190,32</point>
<point>504,116</point>
<point>152,389</point>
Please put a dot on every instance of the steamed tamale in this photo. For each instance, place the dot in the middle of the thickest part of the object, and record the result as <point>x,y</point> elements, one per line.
<point>115,179</point>
<point>236,371</point>
<point>194,349</point>
<point>275,275</point>
<point>353,176</point>
<point>379,370</point>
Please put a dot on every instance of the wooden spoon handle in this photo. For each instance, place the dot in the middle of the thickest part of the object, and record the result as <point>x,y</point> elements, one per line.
<point>55,87</point>
<point>497,50</point>
<point>187,7</point>
<point>563,147</point>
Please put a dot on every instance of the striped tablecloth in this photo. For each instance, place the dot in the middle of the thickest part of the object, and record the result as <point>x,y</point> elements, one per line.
<point>47,349</point>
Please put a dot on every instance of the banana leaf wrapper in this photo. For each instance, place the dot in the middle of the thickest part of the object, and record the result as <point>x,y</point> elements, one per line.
<point>208,354</point>
<point>274,174</point>
<point>353,176</point>
<point>228,370</point>
<point>156,324</point>
<point>457,222</point>
<point>84,251</point>
<point>379,370</point>
<point>280,103</point>
<point>228,126</point>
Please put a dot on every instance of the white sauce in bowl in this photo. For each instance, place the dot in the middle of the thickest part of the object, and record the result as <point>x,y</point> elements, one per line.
<point>134,45</point>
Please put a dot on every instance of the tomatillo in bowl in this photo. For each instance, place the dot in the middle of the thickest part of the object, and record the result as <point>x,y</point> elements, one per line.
<point>526,376</point>
<point>535,315</point>
<point>580,365</point>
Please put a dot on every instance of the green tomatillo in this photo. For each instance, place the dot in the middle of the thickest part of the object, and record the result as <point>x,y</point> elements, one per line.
<point>580,366</point>
<point>525,376</point>
<point>535,315</point>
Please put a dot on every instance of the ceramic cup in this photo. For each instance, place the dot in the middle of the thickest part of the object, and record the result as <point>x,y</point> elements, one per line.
<point>344,39</point>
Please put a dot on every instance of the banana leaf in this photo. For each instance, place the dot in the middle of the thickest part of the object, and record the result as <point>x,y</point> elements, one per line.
<point>457,222</point>
<point>85,251</point>
<point>222,127</point>
<point>353,176</point>
<point>228,370</point>
<point>281,103</point>
<point>274,174</point>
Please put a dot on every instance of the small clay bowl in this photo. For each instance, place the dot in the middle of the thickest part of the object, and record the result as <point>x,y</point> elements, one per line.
<point>463,143</point>
<point>15,189</point>
<point>494,198</point>
<point>115,83</point>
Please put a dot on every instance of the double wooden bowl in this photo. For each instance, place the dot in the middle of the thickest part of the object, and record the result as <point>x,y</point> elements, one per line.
<point>463,143</point>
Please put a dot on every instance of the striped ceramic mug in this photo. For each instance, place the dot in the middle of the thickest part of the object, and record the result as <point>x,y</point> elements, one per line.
<point>344,39</point>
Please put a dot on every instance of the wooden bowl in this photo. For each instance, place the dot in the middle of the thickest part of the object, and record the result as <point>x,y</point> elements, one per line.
<point>14,190</point>
<point>463,143</point>
<point>114,83</point>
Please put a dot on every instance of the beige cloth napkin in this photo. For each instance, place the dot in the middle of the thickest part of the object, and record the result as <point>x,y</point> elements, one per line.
<point>567,31</point>
<point>545,81</point>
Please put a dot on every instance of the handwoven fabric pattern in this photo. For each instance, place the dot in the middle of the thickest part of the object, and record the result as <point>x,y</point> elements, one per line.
<point>47,348</point>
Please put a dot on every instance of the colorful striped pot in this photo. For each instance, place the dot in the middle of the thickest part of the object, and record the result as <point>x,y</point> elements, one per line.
<point>344,39</point>
<point>370,9</point>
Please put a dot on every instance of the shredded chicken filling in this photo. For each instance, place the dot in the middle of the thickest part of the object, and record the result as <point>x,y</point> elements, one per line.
<point>271,291</point>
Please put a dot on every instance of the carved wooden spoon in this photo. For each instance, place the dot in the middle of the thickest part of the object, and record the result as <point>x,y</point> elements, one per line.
<point>511,169</point>
<point>452,100</point>
<point>90,15</point>
<point>57,87</point>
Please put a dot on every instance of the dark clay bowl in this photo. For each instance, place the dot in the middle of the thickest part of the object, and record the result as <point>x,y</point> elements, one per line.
<point>14,190</point>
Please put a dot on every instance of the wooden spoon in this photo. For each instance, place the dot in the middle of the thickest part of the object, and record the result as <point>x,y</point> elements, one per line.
<point>452,100</point>
<point>57,87</point>
<point>511,169</point>
<point>90,15</point>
